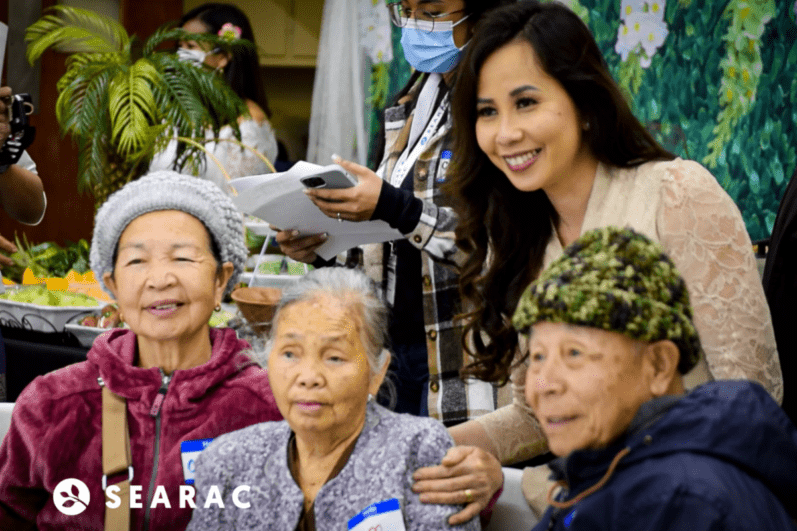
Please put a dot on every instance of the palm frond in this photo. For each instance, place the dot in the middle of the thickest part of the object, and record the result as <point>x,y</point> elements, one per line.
<point>81,104</point>
<point>93,161</point>
<point>70,29</point>
<point>175,98</point>
<point>186,99</point>
<point>169,33</point>
<point>132,106</point>
<point>77,64</point>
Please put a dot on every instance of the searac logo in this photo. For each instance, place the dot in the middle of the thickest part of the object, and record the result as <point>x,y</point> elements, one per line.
<point>71,497</point>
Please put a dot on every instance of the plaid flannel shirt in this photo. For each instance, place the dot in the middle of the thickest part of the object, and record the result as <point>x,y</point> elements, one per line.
<point>451,399</point>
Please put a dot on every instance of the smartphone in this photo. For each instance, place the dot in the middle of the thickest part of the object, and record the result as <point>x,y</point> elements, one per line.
<point>330,178</point>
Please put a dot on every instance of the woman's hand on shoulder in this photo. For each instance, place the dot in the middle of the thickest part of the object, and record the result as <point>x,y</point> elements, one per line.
<point>353,204</point>
<point>467,475</point>
<point>299,248</point>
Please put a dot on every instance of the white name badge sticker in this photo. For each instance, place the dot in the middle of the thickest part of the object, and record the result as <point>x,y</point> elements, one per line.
<point>189,451</point>
<point>381,516</point>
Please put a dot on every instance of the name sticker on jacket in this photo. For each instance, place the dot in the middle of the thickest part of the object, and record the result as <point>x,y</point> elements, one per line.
<point>381,516</point>
<point>189,451</point>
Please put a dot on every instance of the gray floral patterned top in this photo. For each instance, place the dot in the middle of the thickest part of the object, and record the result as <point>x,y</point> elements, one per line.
<point>389,449</point>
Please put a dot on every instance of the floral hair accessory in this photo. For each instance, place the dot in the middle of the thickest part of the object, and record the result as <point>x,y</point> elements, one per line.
<point>230,32</point>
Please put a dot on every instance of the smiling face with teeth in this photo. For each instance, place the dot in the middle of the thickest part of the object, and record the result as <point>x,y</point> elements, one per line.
<point>585,385</point>
<point>528,126</point>
<point>167,281</point>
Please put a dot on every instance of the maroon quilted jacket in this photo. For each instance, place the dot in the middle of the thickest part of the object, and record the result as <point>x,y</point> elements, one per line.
<point>55,430</point>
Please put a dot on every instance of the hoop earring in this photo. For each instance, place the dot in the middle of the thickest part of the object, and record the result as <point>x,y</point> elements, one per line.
<point>218,307</point>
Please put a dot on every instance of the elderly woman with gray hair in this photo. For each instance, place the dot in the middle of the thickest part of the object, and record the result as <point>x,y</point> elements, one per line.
<point>167,246</point>
<point>339,460</point>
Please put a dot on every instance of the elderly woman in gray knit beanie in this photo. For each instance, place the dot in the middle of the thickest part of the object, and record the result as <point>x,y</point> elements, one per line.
<point>167,246</point>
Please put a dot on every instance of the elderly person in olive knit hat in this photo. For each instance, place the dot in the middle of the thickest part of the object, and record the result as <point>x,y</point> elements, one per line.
<point>611,333</point>
<point>167,246</point>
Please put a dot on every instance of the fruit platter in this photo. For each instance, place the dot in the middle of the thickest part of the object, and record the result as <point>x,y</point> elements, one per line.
<point>40,309</point>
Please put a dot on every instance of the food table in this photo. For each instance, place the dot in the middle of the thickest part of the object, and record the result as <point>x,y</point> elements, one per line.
<point>36,343</point>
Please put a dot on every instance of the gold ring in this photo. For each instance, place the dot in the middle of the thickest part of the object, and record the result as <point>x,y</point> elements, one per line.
<point>340,220</point>
<point>468,496</point>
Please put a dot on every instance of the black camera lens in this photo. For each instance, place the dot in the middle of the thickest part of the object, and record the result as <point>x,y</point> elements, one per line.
<point>314,182</point>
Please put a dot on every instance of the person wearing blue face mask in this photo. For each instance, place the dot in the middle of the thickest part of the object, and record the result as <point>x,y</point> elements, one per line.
<point>418,274</point>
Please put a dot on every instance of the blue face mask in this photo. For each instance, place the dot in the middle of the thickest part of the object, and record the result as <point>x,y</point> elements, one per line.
<point>430,51</point>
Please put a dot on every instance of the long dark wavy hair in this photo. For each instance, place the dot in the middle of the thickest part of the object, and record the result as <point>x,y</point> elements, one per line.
<point>476,9</point>
<point>242,72</point>
<point>504,231</point>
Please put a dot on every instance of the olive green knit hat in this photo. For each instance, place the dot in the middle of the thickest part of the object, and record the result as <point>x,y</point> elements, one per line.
<point>616,280</point>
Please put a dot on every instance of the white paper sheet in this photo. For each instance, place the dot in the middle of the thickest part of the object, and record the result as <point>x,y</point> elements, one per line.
<point>278,198</point>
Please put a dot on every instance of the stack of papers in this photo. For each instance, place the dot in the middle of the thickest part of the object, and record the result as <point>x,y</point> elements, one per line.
<point>279,199</point>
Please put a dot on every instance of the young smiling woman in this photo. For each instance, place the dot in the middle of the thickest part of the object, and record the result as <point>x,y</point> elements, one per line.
<point>545,149</point>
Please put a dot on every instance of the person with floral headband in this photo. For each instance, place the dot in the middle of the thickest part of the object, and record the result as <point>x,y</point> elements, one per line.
<point>241,70</point>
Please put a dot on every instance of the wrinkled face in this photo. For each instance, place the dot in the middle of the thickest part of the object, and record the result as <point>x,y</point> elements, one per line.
<point>165,276</point>
<point>584,384</point>
<point>212,60</point>
<point>318,368</point>
<point>527,124</point>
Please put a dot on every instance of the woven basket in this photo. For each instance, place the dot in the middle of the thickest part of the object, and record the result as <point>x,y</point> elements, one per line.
<point>257,305</point>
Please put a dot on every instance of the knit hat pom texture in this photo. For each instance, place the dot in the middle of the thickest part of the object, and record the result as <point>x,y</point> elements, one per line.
<point>616,280</point>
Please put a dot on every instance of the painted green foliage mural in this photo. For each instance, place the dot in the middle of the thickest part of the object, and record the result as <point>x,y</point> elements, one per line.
<point>714,80</point>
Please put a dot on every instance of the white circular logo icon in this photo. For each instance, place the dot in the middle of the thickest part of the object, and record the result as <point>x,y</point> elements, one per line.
<point>71,497</point>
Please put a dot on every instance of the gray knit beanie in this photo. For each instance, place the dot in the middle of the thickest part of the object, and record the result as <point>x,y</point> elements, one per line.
<point>169,190</point>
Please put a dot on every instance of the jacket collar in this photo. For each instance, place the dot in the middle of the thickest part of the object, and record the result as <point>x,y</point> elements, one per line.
<point>114,354</point>
<point>585,465</point>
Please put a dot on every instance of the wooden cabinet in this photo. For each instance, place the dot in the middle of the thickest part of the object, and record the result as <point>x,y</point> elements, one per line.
<point>286,31</point>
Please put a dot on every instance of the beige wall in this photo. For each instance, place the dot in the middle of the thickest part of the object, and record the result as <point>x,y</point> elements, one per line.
<point>109,8</point>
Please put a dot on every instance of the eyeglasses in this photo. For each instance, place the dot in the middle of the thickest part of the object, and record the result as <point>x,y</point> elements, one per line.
<point>400,15</point>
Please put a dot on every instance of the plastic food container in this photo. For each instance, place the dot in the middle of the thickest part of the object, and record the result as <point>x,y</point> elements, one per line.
<point>85,334</point>
<point>41,318</point>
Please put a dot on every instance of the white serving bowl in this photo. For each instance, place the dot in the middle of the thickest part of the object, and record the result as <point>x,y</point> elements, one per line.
<point>85,334</point>
<point>41,318</point>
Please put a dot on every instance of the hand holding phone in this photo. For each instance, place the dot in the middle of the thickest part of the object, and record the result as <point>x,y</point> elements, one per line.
<point>333,177</point>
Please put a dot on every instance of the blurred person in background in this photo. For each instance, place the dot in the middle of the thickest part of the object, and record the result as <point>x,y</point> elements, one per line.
<point>241,69</point>
<point>21,197</point>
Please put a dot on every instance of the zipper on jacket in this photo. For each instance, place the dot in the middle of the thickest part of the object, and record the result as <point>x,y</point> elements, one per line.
<point>155,411</point>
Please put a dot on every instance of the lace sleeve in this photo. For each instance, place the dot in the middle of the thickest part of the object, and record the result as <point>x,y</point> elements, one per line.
<point>513,430</point>
<point>703,232</point>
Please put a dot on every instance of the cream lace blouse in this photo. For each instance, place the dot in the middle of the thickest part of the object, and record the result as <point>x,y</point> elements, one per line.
<point>681,205</point>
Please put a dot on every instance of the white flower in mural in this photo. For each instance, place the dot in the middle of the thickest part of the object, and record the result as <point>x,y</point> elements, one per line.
<point>629,7</point>
<point>375,31</point>
<point>644,27</point>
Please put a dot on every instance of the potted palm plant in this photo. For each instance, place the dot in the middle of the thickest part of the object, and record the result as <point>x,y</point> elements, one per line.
<point>122,105</point>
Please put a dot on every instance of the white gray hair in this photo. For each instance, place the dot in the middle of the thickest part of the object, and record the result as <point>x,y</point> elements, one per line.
<point>353,288</point>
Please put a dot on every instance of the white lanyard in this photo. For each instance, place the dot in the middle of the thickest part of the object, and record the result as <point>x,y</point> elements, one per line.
<point>408,157</point>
